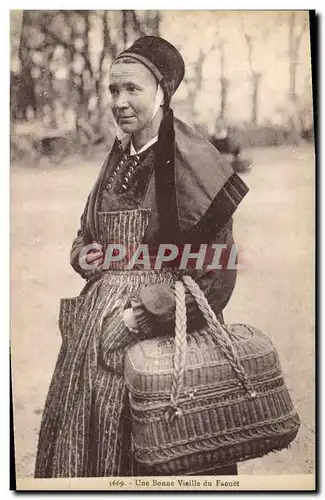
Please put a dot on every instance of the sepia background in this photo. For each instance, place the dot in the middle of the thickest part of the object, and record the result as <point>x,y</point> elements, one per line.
<point>250,68</point>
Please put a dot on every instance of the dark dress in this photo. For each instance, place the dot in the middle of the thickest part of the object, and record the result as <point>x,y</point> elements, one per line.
<point>85,430</point>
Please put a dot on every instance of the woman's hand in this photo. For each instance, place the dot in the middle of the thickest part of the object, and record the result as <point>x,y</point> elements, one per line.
<point>130,321</point>
<point>95,257</point>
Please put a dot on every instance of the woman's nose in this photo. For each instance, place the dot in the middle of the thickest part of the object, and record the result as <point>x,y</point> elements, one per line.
<point>121,101</point>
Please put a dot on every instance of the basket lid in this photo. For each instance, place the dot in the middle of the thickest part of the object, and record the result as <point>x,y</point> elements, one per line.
<point>149,364</point>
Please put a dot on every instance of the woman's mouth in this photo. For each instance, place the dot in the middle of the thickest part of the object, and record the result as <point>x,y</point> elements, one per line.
<point>124,119</point>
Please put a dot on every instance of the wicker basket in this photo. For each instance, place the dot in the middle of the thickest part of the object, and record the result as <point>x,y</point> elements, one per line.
<point>209,399</point>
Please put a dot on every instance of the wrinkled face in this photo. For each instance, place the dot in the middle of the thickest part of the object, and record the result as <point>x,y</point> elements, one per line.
<point>133,91</point>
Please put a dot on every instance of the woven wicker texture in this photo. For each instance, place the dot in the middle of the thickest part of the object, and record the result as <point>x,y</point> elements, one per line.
<point>149,364</point>
<point>216,421</point>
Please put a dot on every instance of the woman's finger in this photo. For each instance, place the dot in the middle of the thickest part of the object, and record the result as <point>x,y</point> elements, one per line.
<point>98,262</point>
<point>92,257</point>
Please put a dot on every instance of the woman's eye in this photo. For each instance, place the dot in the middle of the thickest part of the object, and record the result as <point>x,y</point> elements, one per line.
<point>113,91</point>
<point>131,88</point>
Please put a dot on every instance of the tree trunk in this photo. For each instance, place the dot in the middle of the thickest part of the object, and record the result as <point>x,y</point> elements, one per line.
<point>292,58</point>
<point>125,28</point>
<point>27,97</point>
<point>224,95</point>
<point>256,79</point>
<point>156,24</point>
<point>224,84</point>
<point>293,53</point>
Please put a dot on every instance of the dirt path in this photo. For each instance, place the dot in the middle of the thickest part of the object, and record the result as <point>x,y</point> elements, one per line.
<point>274,227</point>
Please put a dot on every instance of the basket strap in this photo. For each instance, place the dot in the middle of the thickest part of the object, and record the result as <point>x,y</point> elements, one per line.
<point>220,334</point>
<point>180,347</point>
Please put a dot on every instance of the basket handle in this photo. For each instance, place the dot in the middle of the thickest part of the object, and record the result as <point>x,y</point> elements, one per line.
<point>218,332</point>
<point>180,346</point>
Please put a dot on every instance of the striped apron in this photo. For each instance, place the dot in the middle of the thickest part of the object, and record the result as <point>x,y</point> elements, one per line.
<point>85,430</point>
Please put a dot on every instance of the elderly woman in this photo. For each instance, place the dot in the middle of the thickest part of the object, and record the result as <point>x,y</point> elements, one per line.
<point>160,183</point>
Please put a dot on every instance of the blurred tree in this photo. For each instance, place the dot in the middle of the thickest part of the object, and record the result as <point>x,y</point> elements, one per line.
<point>23,86</point>
<point>201,54</point>
<point>297,25</point>
<point>251,39</point>
<point>137,23</point>
<point>224,82</point>
<point>22,96</point>
<point>207,78</point>
<point>15,29</point>
<point>293,110</point>
<point>64,58</point>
